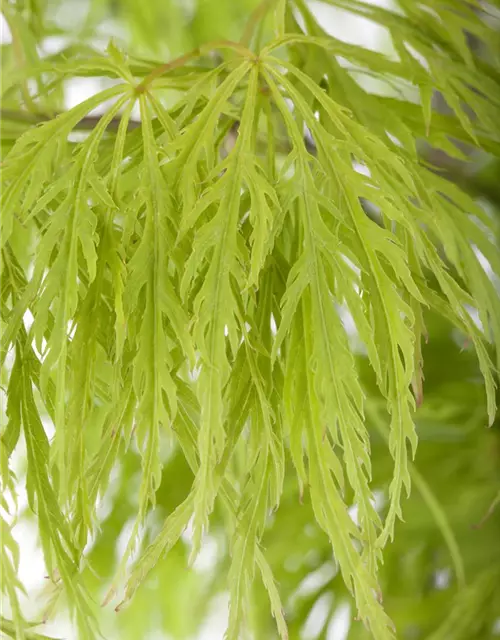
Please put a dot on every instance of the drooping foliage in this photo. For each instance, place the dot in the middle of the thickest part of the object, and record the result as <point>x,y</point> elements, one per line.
<point>217,276</point>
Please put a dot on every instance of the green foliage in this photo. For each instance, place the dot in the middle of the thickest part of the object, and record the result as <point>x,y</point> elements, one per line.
<point>178,277</point>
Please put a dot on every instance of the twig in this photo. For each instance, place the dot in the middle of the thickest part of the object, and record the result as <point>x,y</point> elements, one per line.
<point>256,17</point>
<point>87,123</point>
<point>196,53</point>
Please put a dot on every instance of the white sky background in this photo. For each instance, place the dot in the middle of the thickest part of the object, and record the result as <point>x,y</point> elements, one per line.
<point>32,570</point>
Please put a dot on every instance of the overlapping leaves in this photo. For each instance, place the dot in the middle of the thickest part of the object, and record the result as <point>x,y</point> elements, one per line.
<point>189,287</point>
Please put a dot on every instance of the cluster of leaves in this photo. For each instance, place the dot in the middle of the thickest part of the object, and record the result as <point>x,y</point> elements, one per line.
<point>440,576</point>
<point>183,280</point>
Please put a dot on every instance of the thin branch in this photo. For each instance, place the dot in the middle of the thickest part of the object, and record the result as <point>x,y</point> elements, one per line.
<point>196,53</point>
<point>256,17</point>
<point>87,123</point>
